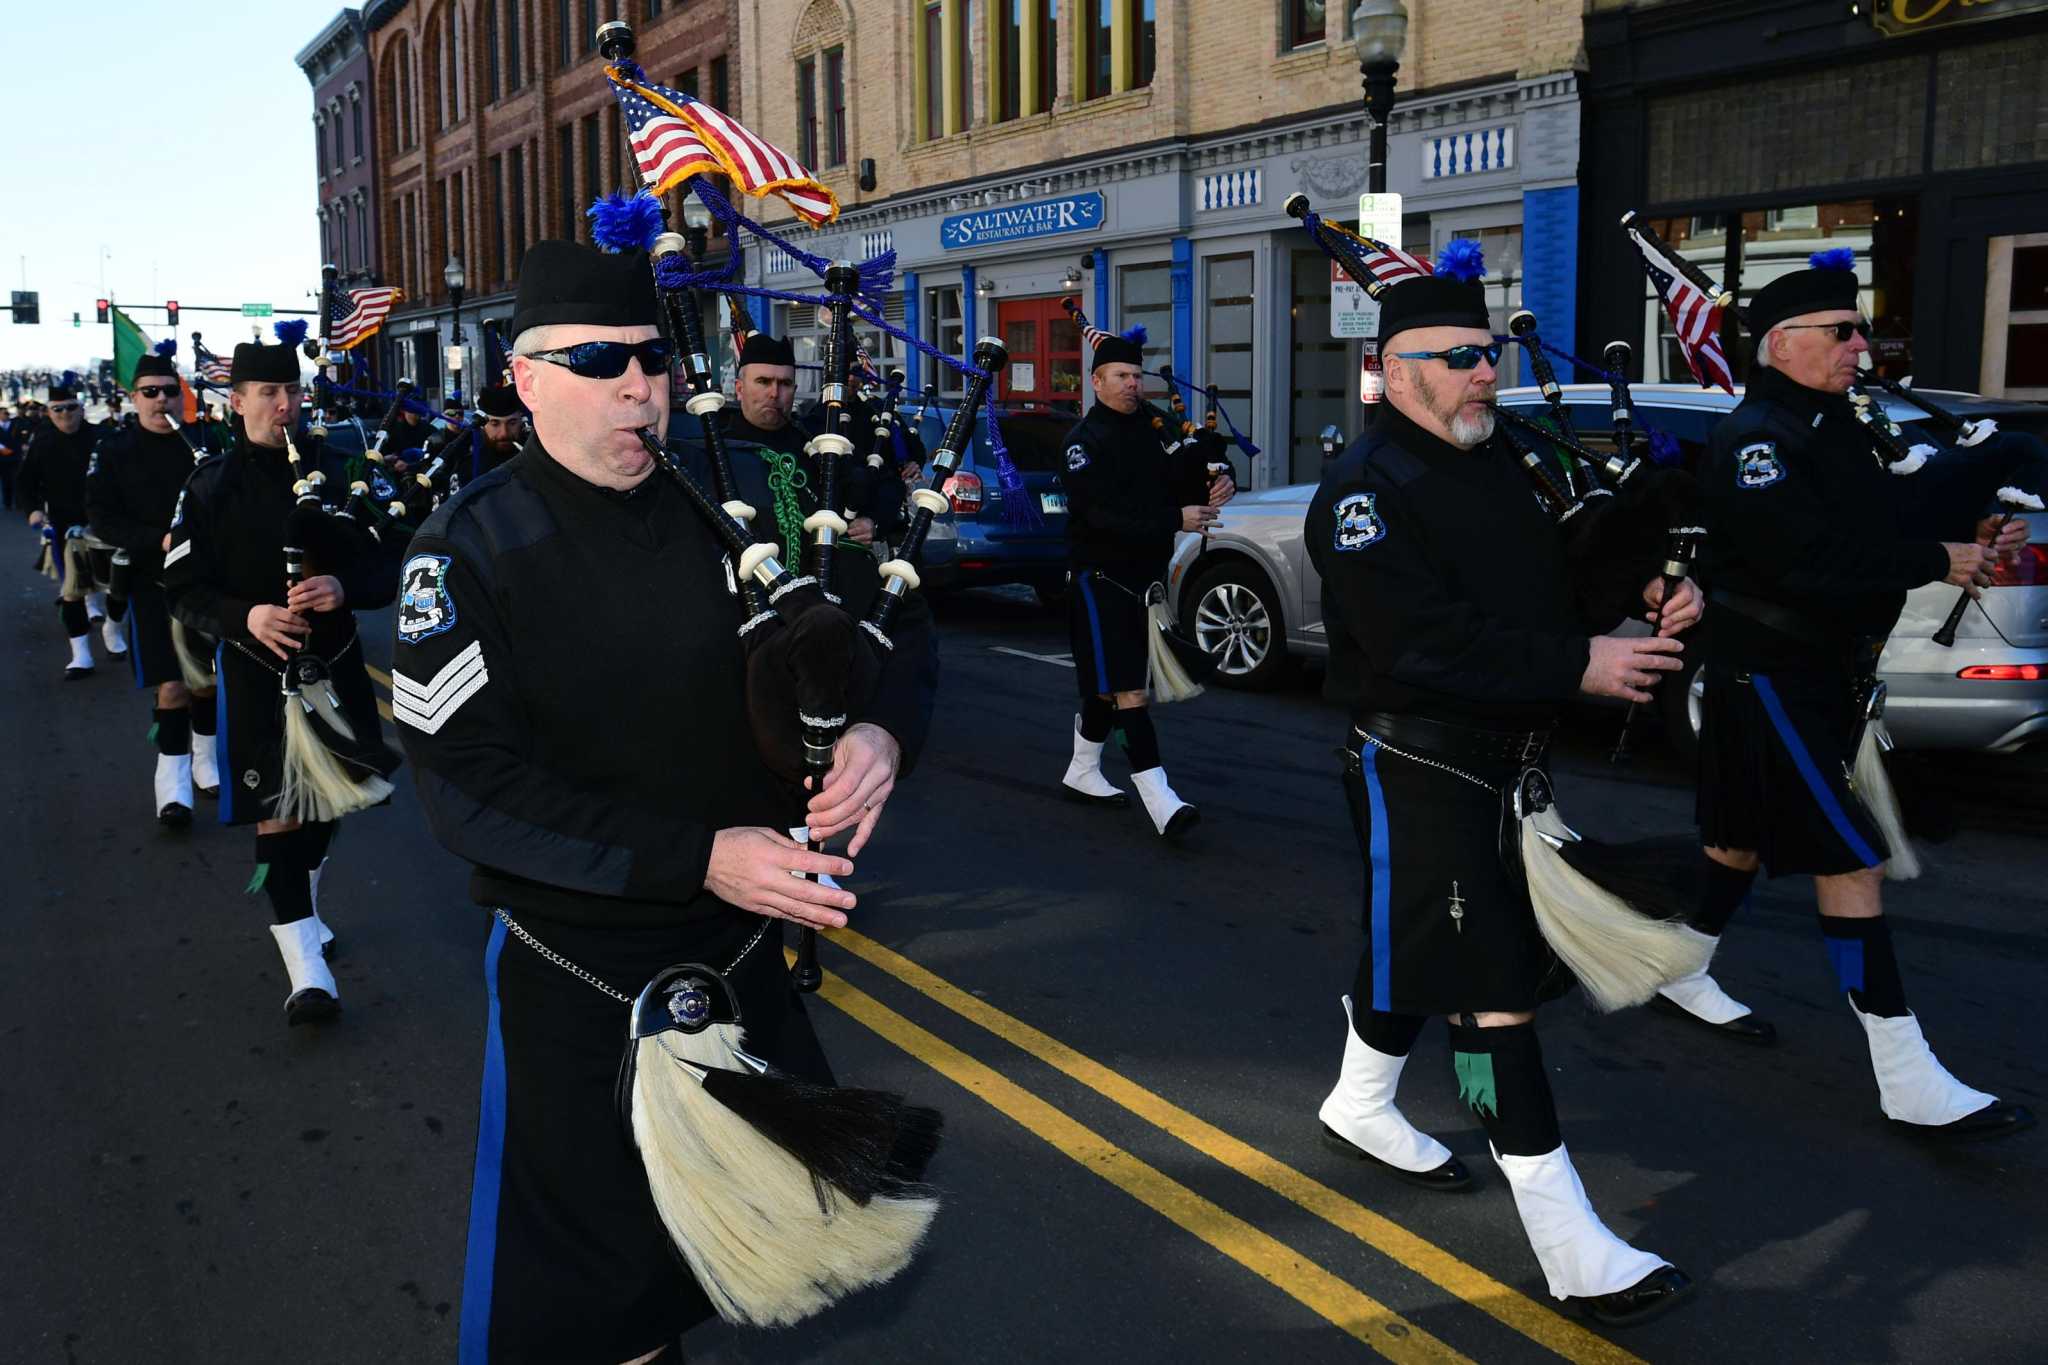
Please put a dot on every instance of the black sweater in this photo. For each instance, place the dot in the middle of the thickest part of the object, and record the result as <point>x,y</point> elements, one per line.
<point>1125,488</point>
<point>1446,589</point>
<point>52,476</point>
<point>571,690</point>
<point>132,491</point>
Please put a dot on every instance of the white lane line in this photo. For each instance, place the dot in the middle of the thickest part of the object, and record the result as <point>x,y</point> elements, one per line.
<point>1057,660</point>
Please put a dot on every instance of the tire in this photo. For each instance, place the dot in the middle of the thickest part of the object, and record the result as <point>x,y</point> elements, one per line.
<point>1678,701</point>
<point>1232,611</point>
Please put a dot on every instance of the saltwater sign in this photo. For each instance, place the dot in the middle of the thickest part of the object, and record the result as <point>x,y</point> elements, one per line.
<point>1016,222</point>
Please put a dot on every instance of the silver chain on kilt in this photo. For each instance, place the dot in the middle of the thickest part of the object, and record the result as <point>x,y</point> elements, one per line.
<point>1379,743</point>
<point>519,932</point>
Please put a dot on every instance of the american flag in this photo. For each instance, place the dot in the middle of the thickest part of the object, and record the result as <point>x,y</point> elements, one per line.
<point>1390,264</point>
<point>212,369</point>
<point>359,313</point>
<point>1695,318</point>
<point>675,137</point>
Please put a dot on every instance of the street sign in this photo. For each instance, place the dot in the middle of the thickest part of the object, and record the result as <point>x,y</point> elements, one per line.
<point>1352,314</point>
<point>256,310</point>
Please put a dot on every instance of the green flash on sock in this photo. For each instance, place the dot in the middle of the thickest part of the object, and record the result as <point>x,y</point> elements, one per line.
<point>1475,1081</point>
<point>152,732</point>
<point>263,875</point>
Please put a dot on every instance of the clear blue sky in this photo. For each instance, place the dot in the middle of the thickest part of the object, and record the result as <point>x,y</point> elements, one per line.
<point>180,139</point>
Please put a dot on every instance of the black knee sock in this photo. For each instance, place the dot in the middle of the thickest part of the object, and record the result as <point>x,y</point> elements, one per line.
<point>1501,1075</point>
<point>72,614</point>
<point>1393,1034</point>
<point>174,732</point>
<point>1098,714</point>
<point>310,841</point>
<point>281,876</point>
<point>202,713</point>
<point>1722,892</point>
<point>1866,967</point>
<point>1141,742</point>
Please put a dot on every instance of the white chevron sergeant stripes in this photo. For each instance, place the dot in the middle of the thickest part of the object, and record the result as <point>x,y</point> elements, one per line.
<point>427,706</point>
<point>183,548</point>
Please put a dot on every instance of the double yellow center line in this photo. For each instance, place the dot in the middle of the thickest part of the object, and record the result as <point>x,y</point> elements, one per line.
<point>1329,1296</point>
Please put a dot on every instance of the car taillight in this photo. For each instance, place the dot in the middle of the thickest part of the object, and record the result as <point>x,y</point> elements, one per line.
<point>2029,566</point>
<point>2003,673</point>
<point>965,491</point>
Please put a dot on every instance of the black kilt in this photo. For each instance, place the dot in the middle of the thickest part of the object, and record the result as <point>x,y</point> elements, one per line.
<point>1424,834</point>
<point>250,725</point>
<point>1109,628</point>
<point>568,1258</point>
<point>1775,754</point>
<point>150,649</point>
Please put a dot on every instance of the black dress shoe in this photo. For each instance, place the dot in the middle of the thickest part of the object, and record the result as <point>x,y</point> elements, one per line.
<point>2000,1118</point>
<point>1449,1177</point>
<point>1745,1028</point>
<point>72,673</point>
<point>310,1006</point>
<point>1655,1293</point>
<point>1119,801</point>
<point>176,815</point>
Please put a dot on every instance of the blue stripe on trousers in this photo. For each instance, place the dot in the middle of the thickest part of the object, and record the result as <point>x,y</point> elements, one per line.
<point>1382,884</point>
<point>1814,783</point>
<point>481,1260</point>
<point>1094,633</point>
<point>223,754</point>
<point>134,638</point>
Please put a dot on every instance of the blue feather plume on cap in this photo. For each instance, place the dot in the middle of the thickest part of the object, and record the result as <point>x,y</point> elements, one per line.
<point>291,331</point>
<point>1462,259</point>
<point>1135,334</point>
<point>622,222</point>
<point>169,346</point>
<point>1834,258</point>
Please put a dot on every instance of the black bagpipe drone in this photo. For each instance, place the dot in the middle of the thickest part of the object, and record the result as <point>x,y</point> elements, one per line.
<point>1613,913</point>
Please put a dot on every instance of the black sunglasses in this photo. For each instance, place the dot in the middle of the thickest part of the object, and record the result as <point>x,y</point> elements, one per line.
<point>608,359</point>
<point>65,407</point>
<point>1458,357</point>
<point>156,391</point>
<point>1842,330</point>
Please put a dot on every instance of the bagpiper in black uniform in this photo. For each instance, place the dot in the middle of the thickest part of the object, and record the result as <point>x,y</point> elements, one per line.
<point>131,496</point>
<point>611,801</point>
<point>1453,667</point>
<point>224,576</point>
<point>1811,548</point>
<point>52,488</point>
<point>1130,491</point>
<point>502,431</point>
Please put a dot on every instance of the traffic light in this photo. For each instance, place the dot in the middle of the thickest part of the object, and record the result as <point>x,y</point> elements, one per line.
<point>100,305</point>
<point>75,322</point>
<point>171,307</point>
<point>28,307</point>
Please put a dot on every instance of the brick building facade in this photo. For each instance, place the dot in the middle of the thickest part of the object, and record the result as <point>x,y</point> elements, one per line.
<point>495,128</point>
<point>1137,153</point>
<point>337,66</point>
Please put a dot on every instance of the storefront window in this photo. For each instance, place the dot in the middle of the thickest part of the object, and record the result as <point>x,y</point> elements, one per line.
<point>1147,294</point>
<point>1227,358</point>
<point>944,329</point>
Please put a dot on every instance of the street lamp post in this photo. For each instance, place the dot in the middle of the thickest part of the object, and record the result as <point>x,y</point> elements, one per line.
<point>452,275</point>
<point>1380,30</point>
<point>697,230</point>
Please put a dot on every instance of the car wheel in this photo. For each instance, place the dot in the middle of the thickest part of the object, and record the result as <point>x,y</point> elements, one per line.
<point>1680,699</point>
<point>1232,612</point>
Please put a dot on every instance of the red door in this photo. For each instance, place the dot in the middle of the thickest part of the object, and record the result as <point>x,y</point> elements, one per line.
<point>1045,355</point>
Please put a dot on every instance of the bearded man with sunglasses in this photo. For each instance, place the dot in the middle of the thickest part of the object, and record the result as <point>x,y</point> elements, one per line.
<point>569,682</point>
<point>1812,544</point>
<point>1453,666</point>
<point>131,494</point>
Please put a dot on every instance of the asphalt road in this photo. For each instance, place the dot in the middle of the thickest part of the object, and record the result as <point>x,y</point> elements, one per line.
<point>1129,1042</point>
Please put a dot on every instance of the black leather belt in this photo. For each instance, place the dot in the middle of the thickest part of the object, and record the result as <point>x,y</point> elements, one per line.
<point>1454,743</point>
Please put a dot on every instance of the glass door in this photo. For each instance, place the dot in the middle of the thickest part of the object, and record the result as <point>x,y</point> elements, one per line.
<point>1045,356</point>
<point>2015,363</point>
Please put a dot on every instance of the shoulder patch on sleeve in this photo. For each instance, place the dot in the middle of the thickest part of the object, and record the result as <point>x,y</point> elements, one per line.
<point>1757,465</point>
<point>1359,523</point>
<point>424,607</point>
<point>1077,458</point>
<point>92,463</point>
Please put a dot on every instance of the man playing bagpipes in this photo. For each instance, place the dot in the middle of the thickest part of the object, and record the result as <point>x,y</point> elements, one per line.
<point>1812,545</point>
<point>131,495</point>
<point>257,563</point>
<point>52,488</point>
<point>503,429</point>
<point>1131,488</point>
<point>1458,630</point>
<point>572,683</point>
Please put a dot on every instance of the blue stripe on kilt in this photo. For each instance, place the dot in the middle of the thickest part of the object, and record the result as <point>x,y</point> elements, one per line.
<point>1094,632</point>
<point>1803,761</point>
<point>134,637</point>
<point>223,754</point>
<point>480,1263</point>
<point>1382,884</point>
<point>1847,956</point>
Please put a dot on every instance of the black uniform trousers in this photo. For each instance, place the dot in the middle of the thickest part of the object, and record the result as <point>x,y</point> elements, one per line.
<point>568,1258</point>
